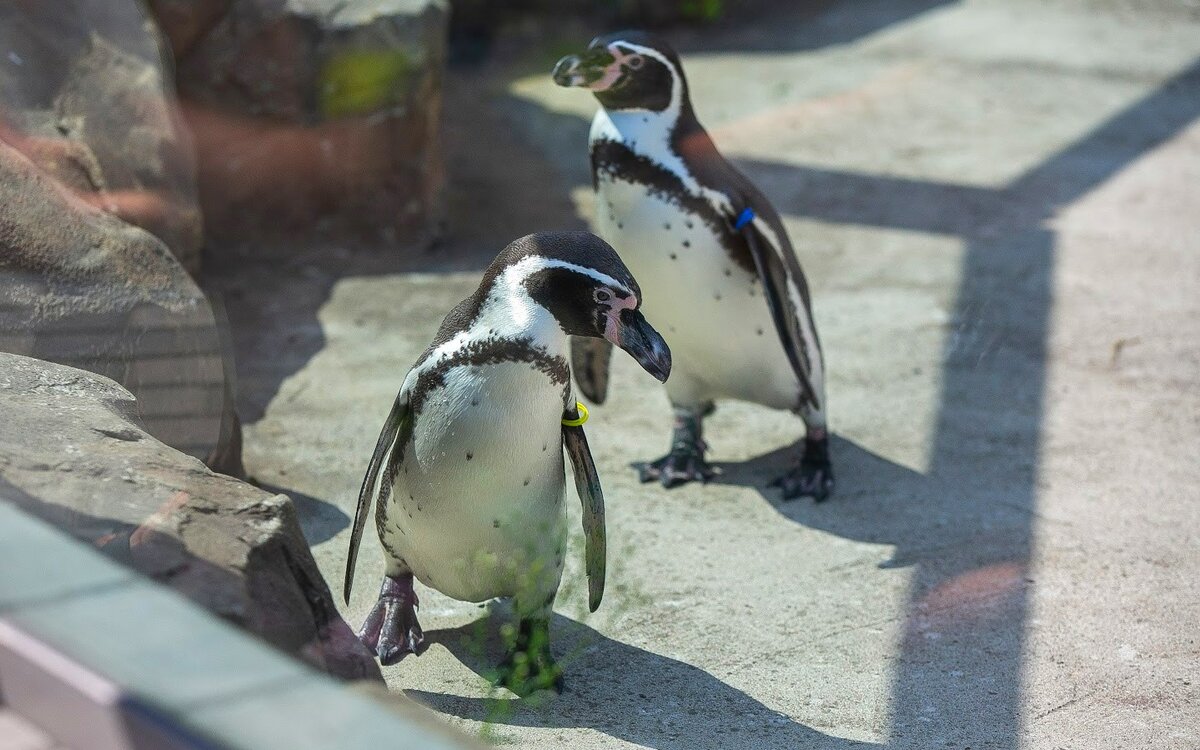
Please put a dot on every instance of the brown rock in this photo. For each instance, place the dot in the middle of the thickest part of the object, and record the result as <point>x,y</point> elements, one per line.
<point>72,452</point>
<point>83,94</point>
<point>81,287</point>
<point>314,113</point>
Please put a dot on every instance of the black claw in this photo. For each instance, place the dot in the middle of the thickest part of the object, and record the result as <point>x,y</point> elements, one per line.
<point>678,467</point>
<point>806,482</point>
<point>812,478</point>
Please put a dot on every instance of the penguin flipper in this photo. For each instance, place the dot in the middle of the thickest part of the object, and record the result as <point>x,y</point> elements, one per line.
<point>399,423</point>
<point>590,359</point>
<point>777,288</point>
<point>587,484</point>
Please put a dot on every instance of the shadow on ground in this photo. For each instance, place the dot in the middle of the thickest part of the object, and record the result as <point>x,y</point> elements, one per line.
<point>320,520</point>
<point>681,708</point>
<point>804,26</point>
<point>966,527</point>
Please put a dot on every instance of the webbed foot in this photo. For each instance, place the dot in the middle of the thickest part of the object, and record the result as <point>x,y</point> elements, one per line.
<point>685,463</point>
<point>391,631</point>
<point>529,666</point>
<point>813,477</point>
<point>682,465</point>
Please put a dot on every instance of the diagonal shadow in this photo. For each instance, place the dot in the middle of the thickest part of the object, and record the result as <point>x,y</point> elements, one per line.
<point>967,527</point>
<point>625,692</point>
<point>319,520</point>
<point>804,26</point>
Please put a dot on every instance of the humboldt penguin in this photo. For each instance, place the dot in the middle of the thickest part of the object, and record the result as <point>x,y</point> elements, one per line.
<point>468,471</point>
<point>725,285</point>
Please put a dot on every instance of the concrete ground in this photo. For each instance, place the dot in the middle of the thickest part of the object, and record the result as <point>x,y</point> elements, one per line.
<point>998,206</point>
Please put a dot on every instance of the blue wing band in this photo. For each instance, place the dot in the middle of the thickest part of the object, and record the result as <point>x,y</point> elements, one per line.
<point>744,218</point>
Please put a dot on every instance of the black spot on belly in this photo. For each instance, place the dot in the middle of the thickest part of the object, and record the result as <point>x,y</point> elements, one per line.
<point>527,481</point>
<point>674,256</point>
<point>728,271</point>
<point>760,331</point>
<point>717,296</point>
<point>470,456</point>
<point>620,225</point>
<point>687,243</point>
<point>495,523</point>
<point>667,225</point>
<point>543,447</point>
<point>474,402</point>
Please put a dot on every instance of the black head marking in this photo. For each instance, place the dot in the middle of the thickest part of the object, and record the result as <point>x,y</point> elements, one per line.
<point>578,248</point>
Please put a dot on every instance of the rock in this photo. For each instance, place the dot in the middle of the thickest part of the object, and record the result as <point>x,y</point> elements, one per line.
<point>81,287</point>
<point>85,94</point>
<point>73,453</point>
<point>313,113</point>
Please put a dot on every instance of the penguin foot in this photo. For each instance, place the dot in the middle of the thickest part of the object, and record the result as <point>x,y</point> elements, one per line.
<point>813,477</point>
<point>391,631</point>
<point>682,465</point>
<point>529,666</point>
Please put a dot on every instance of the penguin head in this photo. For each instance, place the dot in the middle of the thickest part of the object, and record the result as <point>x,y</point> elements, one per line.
<point>584,284</point>
<point>627,70</point>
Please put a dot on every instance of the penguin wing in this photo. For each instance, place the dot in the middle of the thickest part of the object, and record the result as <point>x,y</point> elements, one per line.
<point>393,437</point>
<point>787,296</point>
<point>589,360</point>
<point>587,484</point>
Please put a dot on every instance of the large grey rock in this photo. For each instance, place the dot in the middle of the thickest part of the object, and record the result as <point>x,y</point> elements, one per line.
<point>73,453</point>
<point>86,96</point>
<point>80,287</point>
<point>313,113</point>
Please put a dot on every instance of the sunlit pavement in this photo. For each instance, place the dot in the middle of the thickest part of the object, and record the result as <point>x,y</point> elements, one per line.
<point>997,206</point>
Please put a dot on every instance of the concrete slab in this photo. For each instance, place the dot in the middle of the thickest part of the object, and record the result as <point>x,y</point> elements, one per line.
<point>996,204</point>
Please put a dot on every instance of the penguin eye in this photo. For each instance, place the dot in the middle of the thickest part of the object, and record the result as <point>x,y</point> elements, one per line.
<point>634,61</point>
<point>602,295</point>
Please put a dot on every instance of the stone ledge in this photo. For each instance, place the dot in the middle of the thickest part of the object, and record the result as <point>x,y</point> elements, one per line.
<point>95,655</point>
<point>72,454</point>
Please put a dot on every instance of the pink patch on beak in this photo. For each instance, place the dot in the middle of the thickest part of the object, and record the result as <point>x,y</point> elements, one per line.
<point>612,328</point>
<point>612,73</point>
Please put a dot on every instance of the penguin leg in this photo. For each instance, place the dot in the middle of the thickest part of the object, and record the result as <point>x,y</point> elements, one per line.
<point>529,666</point>
<point>685,463</point>
<point>391,631</point>
<point>814,475</point>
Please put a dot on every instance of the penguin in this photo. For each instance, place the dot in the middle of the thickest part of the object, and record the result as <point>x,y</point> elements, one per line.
<point>725,284</point>
<point>468,473</point>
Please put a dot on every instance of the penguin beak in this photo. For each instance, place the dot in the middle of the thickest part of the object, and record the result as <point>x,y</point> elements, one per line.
<point>589,70</point>
<point>636,336</point>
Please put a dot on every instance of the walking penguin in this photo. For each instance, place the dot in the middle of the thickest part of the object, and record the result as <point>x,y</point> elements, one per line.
<point>725,284</point>
<point>468,472</point>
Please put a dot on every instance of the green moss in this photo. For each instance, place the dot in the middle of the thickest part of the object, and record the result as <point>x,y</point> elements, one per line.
<point>701,10</point>
<point>362,81</point>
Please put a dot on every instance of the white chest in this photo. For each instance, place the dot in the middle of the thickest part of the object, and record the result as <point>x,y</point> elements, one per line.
<point>709,309</point>
<point>477,501</point>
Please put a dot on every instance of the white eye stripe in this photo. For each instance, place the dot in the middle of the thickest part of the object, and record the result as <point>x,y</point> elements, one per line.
<point>531,264</point>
